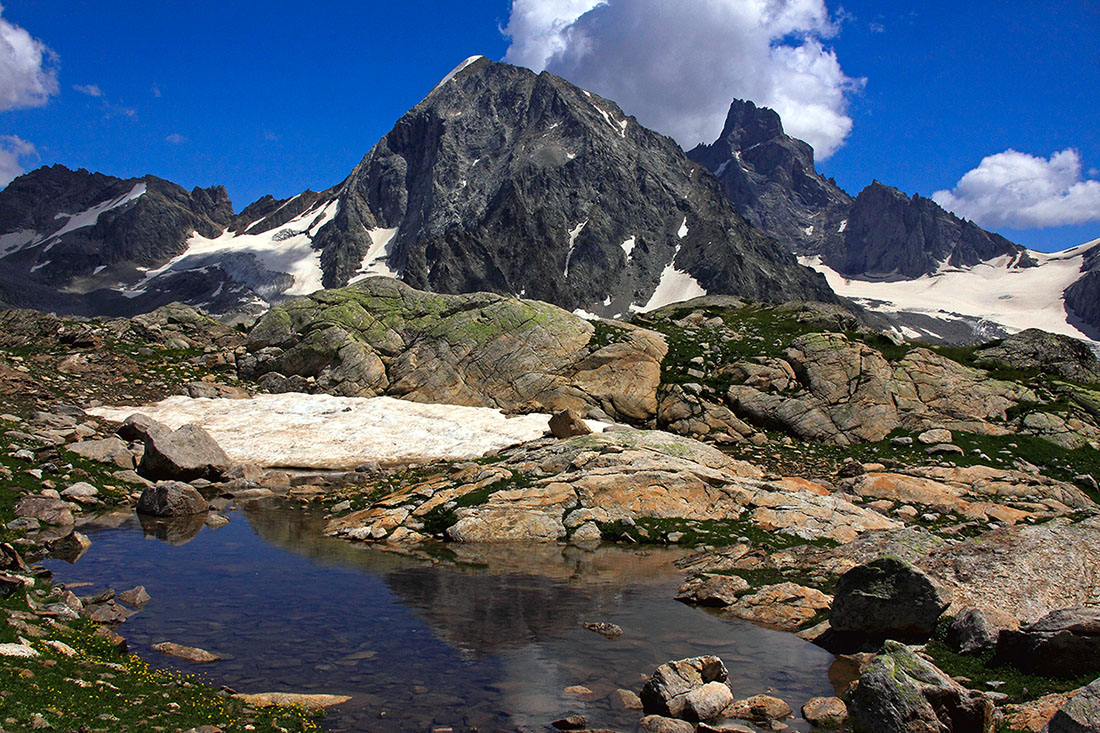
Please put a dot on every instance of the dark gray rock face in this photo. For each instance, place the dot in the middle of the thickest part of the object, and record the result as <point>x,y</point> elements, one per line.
<point>887,597</point>
<point>182,455</point>
<point>1063,643</point>
<point>1081,714</point>
<point>975,630</point>
<point>890,234</point>
<point>171,499</point>
<point>1083,296</point>
<point>89,232</point>
<point>1049,352</point>
<point>900,693</point>
<point>508,181</point>
<point>770,177</point>
<point>500,180</point>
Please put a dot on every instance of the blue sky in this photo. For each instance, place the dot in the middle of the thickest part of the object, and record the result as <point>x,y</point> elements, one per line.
<point>276,97</point>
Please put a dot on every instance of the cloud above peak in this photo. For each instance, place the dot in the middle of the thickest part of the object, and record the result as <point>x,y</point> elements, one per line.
<point>1021,191</point>
<point>15,152</point>
<point>28,69</point>
<point>677,66</point>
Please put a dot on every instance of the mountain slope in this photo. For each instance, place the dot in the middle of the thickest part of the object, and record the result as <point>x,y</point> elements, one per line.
<point>500,180</point>
<point>512,182</point>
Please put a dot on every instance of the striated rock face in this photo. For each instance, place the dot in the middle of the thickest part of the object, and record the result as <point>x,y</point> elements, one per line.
<point>889,233</point>
<point>852,393</point>
<point>770,178</point>
<point>1025,571</point>
<point>69,226</point>
<point>383,337</point>
<point>900,693</point>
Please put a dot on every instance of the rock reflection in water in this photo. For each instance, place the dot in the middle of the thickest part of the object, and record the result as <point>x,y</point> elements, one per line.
<point>175,531</point>
<point>490,643</point>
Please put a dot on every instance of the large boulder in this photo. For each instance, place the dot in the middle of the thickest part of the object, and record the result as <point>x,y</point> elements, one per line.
<point>108,450</point>
<point>887,598</point>
<point>1064,643</point>
<point>1081,714</point>
<point>1050,353</point>
<point>185,454</point>
<point>382,337</point>
<point>45,509</point>
<point>667,691</point>
<point>900,692</point>
<point>171,499</point>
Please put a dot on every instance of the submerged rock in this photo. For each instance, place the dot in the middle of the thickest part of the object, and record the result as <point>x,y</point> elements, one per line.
<point>191,654</point>
<point>171,499</point>
<point>666,690</point>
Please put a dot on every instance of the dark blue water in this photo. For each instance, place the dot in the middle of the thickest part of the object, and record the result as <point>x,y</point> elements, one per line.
<point>491,644</point>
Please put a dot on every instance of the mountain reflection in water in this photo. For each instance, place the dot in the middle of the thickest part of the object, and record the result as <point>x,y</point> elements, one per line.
<point>489,639</point>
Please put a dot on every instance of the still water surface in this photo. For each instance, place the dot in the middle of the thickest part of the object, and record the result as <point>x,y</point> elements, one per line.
<point>490,645</point>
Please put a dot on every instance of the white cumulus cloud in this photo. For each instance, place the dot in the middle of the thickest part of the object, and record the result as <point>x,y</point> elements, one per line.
<point>13,154</point>
<point>676,66</point>
<point>1021,191</point>
<point>28,73</point>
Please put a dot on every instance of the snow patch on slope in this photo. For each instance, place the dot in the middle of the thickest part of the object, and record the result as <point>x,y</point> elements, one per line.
<point>675,286</point>
<point>458,69</point>
<point>1015,298</point>
<point>376,260</point>
<point>322,431</point>
<point>573,234</point>
<point>89,217</point>
<point>288,249</point>
<point>628,247</point>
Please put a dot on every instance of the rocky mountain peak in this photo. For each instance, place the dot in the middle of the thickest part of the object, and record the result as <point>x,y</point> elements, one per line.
<point>770,177</point>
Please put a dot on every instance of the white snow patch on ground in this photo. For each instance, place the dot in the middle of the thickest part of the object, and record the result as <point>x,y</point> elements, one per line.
<point>376,260</point>
<point>683,229</point>
<point>582,313</point>
<point>722,169</point>
<point>675,286</point>
<point>1016,298</point>
<point>322,431</point>
<point>607,301</point>
<point>843,227</point>
<point>809,230</point>
<point>573,234</point>
<point>456,70</point>
<point>628,247</point>
<point>89,217</point>
<point>287,249</point>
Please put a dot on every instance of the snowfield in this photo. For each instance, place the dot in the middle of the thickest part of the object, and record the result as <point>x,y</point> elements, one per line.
<point>1015,298</point>
<point>321,431</point>
<point>287,249</point>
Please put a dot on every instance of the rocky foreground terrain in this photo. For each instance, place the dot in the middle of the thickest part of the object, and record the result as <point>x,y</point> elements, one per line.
<point>928,514</point>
